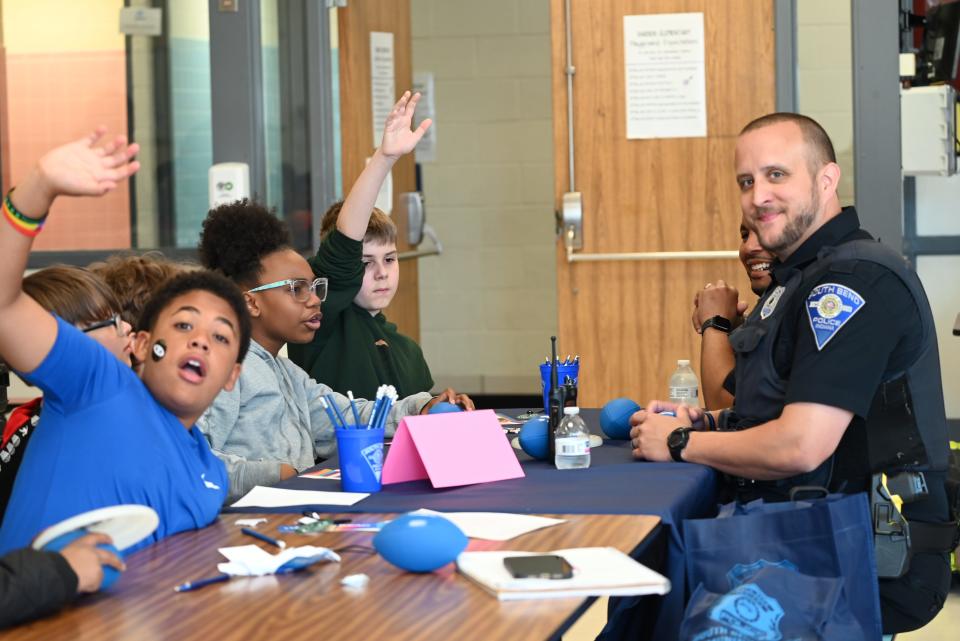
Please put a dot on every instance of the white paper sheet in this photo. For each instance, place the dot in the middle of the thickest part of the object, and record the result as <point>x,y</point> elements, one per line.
<point>426,150</point>
<point>495,526</point>
<point>261,496</point>
<point>383,92</point>
<point>665,68</point>
<point>384,200</point>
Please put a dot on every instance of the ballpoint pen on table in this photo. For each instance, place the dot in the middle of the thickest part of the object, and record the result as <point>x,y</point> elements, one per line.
<point>263,537</point>
<point>200,583</point>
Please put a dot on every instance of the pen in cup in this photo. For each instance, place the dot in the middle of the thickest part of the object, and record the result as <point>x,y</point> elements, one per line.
<point>353,408</point>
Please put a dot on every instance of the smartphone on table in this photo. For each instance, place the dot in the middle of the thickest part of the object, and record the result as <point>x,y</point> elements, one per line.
<point>542,566</point>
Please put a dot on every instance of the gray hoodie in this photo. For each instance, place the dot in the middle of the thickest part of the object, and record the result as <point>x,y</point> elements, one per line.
<point>273,415</point>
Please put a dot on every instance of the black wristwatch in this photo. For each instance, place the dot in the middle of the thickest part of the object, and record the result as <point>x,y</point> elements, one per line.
<point>717,322</point>
<point>678,440</point>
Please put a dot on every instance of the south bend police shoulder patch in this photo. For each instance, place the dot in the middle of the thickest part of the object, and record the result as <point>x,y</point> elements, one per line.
<point>829,307</point>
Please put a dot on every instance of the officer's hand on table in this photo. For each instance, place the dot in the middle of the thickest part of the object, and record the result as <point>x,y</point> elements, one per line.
<point>449,396</point>
<point>651,428</point>
<point>717,299</point>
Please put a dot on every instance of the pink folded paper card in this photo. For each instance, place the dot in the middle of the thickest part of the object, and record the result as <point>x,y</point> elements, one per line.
<point>456,448</point>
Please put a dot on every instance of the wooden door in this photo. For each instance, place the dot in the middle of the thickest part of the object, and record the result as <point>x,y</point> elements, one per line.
<point>630,321</point>
<point>355,22</point>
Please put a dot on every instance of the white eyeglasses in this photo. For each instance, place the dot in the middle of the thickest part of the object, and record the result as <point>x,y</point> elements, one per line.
<point>300,288</point>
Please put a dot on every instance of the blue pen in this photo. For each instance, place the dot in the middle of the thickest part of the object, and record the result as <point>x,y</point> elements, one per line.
<point>353,408</point>
<point>330,414</point>
<point>263,537</point>
<point>376,411</point>
<point>189,586</point>
<point>343,422</point>
<point>386,412</point>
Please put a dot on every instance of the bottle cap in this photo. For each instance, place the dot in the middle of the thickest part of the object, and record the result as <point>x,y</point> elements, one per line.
<point>683,363</point>
<point>571,411</point>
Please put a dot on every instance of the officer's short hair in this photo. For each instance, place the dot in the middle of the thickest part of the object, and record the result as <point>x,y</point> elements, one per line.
<point>819,146</point>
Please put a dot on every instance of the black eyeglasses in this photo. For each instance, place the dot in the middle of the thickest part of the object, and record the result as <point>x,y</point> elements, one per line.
<point>116,320</point>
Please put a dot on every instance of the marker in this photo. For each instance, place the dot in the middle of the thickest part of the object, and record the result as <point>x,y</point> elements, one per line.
<point>189,586</point>
<point>263,537</point>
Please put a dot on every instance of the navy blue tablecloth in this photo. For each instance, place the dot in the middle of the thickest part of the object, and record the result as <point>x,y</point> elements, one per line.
<point>614,484</point>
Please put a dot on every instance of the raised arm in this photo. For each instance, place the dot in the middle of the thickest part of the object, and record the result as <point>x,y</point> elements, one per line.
<point>398,139</point>
<point>716,354</point>
<point>75,169</point>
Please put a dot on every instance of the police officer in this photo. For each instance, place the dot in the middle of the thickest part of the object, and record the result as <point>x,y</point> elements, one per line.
<point>837,375</point>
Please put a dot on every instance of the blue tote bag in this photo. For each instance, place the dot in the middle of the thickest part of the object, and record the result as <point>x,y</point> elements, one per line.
<point>791,570</point>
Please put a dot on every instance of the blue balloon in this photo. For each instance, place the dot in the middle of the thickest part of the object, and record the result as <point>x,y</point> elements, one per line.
<point>110,574</point>
<point>420,542</point>
<point>615,417</point>
<point>443,408</point>
<point>533,437</point>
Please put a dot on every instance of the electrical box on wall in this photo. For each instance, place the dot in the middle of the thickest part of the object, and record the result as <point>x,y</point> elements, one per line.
<point>228,182</point>
<point>928,130</point>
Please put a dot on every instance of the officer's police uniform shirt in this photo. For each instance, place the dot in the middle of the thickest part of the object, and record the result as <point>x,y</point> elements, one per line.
<point>876,341</point>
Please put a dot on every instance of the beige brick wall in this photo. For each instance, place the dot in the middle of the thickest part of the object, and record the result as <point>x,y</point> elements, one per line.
<point>488,304</point>
<point>825,77</point>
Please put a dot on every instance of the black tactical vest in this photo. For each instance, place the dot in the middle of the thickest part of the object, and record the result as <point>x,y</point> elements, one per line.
<point>906,427</point>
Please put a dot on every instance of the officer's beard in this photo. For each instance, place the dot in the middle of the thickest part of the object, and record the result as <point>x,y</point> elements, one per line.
<point>796,227</point>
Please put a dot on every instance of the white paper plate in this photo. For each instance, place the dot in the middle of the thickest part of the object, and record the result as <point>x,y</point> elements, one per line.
<point>125,524</point>
<point>595,441</point>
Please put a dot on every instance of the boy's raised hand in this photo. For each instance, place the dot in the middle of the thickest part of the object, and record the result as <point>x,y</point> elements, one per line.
<point>398,138</point>
<point>80,168</point>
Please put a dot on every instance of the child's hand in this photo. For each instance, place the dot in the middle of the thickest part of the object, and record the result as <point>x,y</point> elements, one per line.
<point>398,138</point>
<point>81,169</point>
<point>450,396</point>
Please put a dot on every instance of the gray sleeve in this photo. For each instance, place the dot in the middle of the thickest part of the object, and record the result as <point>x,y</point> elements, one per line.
<point>323,435</point>
<point>412,404</point>
<point>217,423</point>
<point>245,474</point>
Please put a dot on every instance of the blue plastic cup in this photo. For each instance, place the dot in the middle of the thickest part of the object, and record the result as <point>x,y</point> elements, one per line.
<point>563,371</point>
<point>361,459</point>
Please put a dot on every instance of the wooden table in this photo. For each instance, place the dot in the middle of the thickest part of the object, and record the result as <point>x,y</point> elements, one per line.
<point>312,604</point>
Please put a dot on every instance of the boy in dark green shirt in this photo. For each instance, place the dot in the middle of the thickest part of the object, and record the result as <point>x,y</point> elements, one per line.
<point>356,348</point>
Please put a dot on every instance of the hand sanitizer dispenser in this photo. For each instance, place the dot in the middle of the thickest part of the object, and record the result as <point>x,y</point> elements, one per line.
<point>228,182</point>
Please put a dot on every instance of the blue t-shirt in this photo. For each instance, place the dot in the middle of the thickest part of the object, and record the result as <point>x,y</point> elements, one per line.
<point>104,440</point>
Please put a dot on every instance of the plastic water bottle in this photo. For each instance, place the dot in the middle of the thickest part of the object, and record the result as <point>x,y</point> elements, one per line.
<point>572,441</point>
<point>683,385</point>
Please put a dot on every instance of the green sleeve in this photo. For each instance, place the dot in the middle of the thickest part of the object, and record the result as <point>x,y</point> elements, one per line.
<point>340,260</point>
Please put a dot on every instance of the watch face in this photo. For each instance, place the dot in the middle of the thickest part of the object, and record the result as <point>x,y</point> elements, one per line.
<point>677,439</point>
<point>719,322</point>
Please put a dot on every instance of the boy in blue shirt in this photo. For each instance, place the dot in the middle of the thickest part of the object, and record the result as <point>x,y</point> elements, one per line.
<point>107,437</point>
